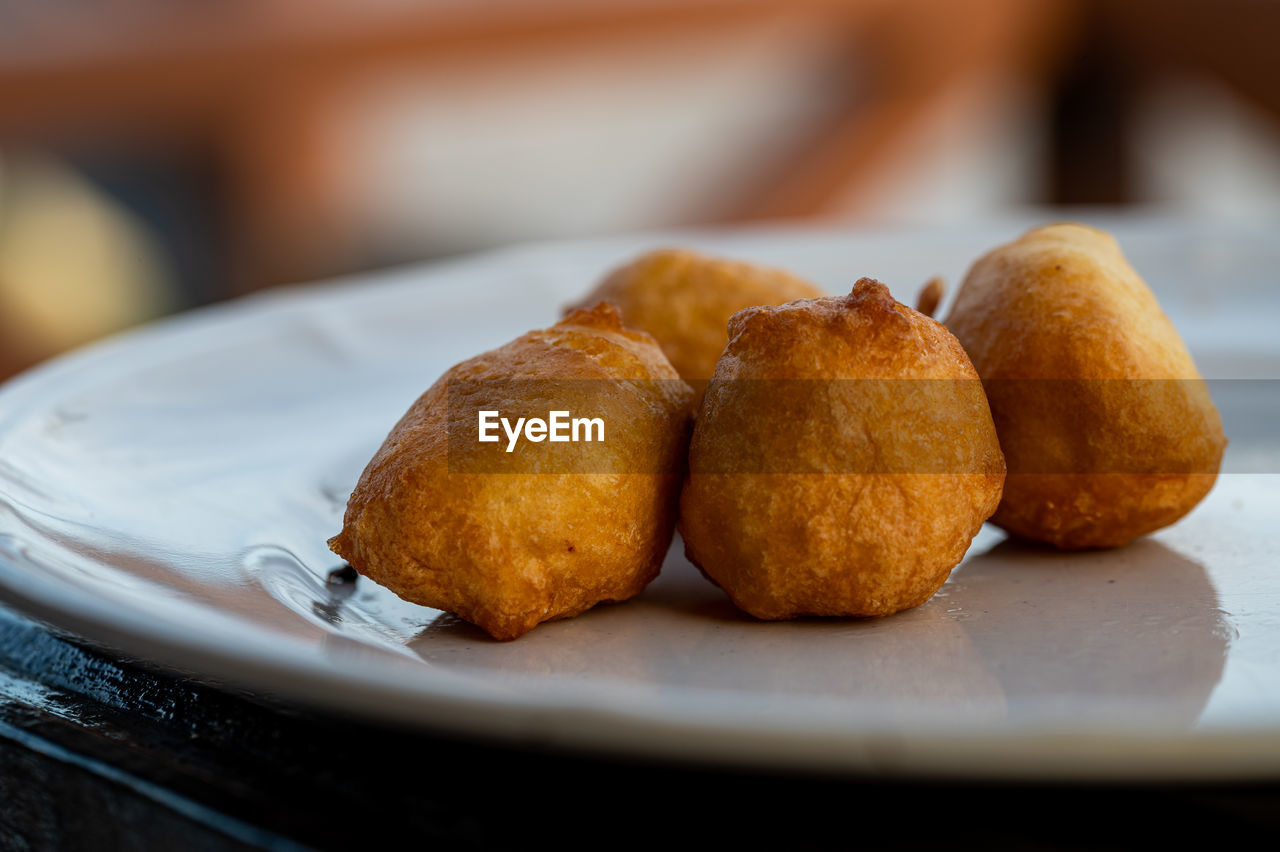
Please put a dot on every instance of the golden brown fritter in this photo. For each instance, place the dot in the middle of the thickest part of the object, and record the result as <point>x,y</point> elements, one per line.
<point>507,540</point>
<point>1108,429</point>
<point>685,299</point>
<point>843,459</point>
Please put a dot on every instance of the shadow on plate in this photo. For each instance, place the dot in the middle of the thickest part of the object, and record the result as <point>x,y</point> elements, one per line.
<point>1019,631</point>
<point>1103,631</point>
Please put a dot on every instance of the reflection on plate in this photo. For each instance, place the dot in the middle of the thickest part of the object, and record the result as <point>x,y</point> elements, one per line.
<point>1141,626</point>
<point>171,493</point>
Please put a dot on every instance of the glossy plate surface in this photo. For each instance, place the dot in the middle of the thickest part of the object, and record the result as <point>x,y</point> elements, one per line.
<point>169,493</point>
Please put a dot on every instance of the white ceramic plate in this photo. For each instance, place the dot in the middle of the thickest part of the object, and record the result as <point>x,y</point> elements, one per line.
<point>169,493</point>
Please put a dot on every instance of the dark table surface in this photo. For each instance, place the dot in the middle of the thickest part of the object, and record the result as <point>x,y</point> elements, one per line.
<point>99,751</point>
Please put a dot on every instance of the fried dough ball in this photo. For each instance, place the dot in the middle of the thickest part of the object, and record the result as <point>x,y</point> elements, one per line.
<point>506,540</point>
<point>1107,427</point>
<point>685,299</point>
<point>842,461</point>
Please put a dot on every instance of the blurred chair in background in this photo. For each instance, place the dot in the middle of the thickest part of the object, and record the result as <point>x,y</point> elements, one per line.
<point>262,91</point>
<point>1111,114</point>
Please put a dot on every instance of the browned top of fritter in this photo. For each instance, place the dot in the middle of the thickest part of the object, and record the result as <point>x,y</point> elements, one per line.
<point>864,335</point>
<point>1062,302</point>
<point>853,383</point>
<point>684,299</point>
<point>588,343</point>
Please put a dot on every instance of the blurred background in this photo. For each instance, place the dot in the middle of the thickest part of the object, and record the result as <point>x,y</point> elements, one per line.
<point>161,154</point>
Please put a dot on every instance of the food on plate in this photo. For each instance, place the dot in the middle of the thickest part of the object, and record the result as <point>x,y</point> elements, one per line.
<point>472,507</point>
<point>1107,427</point>
<point>684,299</point>
<point>842,460</point>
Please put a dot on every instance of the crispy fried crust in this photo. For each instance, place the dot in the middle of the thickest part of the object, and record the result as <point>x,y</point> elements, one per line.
<point>507,551</point>
<point>685,299</point>
<point>1123,439</point>
<point>815,384</point>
